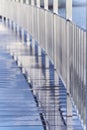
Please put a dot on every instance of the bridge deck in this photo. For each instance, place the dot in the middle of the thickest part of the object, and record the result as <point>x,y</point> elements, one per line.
<point>18,109</point>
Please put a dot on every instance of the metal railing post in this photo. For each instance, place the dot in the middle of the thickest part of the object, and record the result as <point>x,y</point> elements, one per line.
<point>46,29</point>
<point>69,9</point>
<point>32,2</point>
<point>69,105</point>
<point>55,10</point>
<point>27,1</point>
<point>85,42</point>
<point>38,30</point>
<point>55,6</point>
<point>38,17</point>
<point>38,3</point>
<point>46,4</point>
<point>21,1</point>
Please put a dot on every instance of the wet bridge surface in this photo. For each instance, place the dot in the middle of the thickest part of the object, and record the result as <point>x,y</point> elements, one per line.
<point>31,95</point>
<point>18,109</point>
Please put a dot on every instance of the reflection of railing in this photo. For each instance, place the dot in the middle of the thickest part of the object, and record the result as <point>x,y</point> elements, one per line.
<point>64,42</point>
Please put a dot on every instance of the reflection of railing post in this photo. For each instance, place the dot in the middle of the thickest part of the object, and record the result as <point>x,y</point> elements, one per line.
<point>69,105</point>
<point>69,9</point>
<point>55,6</point>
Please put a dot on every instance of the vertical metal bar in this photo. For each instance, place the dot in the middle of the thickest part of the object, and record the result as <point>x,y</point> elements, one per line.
<point>55,10</point>
<point>69,9</point>
<point>46,22</point>
<point>85,41</point>
<point>1,7</point>
<point>27,1</point>
<point>21,1</point>
<point>55,6</point>
<point>38,3</point>
<point>69,105</point>
<point>55,41</point>
<point>32,2</point>
<point>46,4</point>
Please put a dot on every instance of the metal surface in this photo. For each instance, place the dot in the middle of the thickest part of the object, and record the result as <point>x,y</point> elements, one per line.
<point>69,9</point>
<point>55,6</point>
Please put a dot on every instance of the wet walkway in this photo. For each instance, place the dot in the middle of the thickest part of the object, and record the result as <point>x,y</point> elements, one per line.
<point>32,97</point>
<point>18,110</point>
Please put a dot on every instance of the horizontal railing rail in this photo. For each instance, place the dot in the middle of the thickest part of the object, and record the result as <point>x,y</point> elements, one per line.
<point>63,41</point>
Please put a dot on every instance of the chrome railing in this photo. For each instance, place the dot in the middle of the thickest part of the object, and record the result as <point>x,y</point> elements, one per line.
<point>63,41</point>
